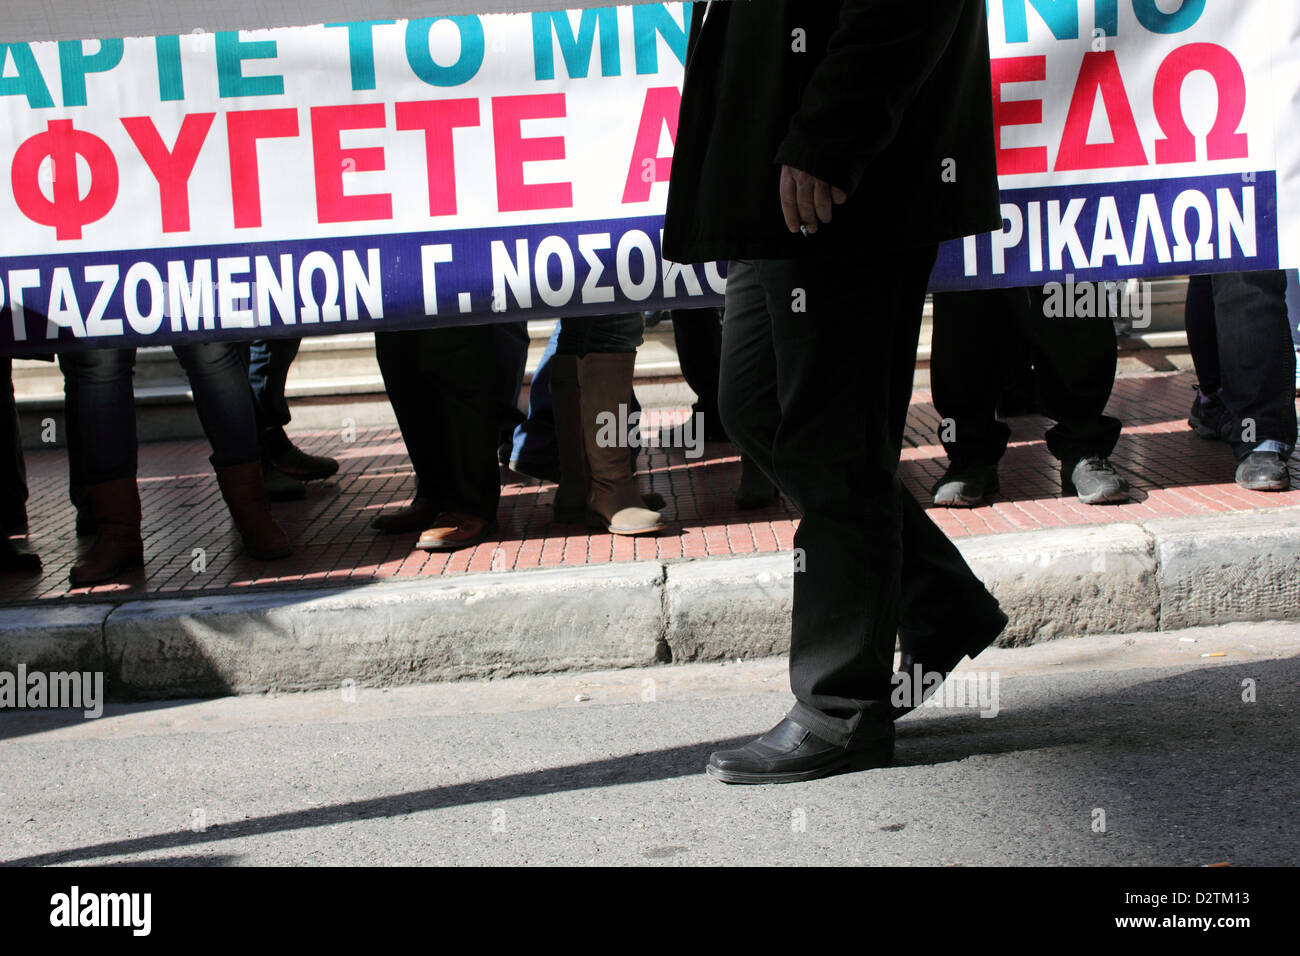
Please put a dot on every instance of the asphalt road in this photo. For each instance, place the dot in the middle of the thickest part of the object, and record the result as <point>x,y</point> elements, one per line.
<point>1128,750</point>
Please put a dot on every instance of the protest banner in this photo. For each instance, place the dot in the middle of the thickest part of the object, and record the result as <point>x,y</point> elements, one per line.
<point>1138,139</point>
<point>351,176</point>
<point>341,177</point>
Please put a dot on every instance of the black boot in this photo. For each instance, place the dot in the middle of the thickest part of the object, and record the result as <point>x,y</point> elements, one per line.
<point>279,451</point>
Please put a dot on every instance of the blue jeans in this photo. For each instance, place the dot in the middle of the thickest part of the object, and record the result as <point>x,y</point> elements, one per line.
<point>534,440</point>
<point>268,370</point>
<point>100,407</point>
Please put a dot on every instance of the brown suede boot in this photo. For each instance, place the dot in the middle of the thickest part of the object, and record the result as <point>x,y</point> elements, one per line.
<point>605,383</point>
<point>116,507</point>
<point>566,407</point>
<point>245,493</point>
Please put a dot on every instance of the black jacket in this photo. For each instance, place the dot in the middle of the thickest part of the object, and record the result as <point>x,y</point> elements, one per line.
<point>883,94</point>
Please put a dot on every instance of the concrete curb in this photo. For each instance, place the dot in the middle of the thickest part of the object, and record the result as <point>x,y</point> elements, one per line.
<point>1158,575</point>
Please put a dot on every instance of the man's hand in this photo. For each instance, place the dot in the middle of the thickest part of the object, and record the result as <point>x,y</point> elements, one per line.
<point>807,200</point>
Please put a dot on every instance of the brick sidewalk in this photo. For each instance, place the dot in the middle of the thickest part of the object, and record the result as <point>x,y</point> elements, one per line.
<point>1173,474</point>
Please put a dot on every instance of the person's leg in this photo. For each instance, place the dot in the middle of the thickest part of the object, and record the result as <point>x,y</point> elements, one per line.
<point>747,384</point>
<point>101,404</point>
<point>842,382</point>
<point>511,342</point>
<point>535,452</point>
<point>286,465</point>
<point>1202,337</point>
<point>219,380</point>
<point>1074,362</point>
<point>835,457</point>
<point>458,363</point>
<point>697,337</point>
<point>1258,367</point>
<point>13,466</point>
<point>13,480</point>
<point>1209,417</point>
<point>974,352</point>
<point>409,389</point>
<point>747,395</point>
<point>595,359</point>
<point>268,372</point>
<point>1293,313</point>
<point>100,407</point>
<point>604,351</point>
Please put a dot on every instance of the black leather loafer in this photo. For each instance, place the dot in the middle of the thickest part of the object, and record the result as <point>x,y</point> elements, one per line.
<point>789,753</point>
<point>941,661</point>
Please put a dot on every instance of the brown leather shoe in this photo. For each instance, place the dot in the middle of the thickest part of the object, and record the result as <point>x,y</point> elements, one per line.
<point>451,531</point>
<point>116,507</point>
<point>245,492</point>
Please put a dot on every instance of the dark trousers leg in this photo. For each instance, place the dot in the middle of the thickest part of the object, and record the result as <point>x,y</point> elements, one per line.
<point>697,337</point>
<point>100,408</point>
<point>825,427</point>
<point>13,466</point>
<point>409,392</point>
<point>1256,357</point>
<point>1202,338</point>
<point>510,340</point>
<point>218,378</point>
<point>975,352</point>
<point>442,384</point>
<point>1074,368</point>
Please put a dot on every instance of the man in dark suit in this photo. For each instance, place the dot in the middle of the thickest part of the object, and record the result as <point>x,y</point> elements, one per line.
<point>826,149</point>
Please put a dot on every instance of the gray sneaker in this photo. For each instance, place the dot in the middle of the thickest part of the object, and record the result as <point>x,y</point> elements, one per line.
<point>1263,471</point>
<point>965,484</point>
<point>1095,481</point>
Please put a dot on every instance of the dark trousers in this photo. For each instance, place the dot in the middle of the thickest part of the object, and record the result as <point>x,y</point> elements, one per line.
<point>697,337</point>
<point>983,341</point>
<point>511,341</point>
<point>13,466</point>
<point>818,399</point>
<point>443,386</point>
<point>100,409</point>
<point>1240,339</point>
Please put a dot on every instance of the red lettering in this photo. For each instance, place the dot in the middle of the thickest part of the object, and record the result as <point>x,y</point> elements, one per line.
<point>662,104</point>
<point>1223,141</point>
<point>332,161</point>
<point>1017,69</point>
<point>438,118</point>
<point>68,211</point>
<point>243,129</point>
<point>171,167</point>
<point>1100,71</point>
<point>513,150</point>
